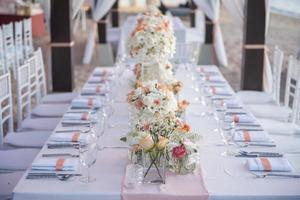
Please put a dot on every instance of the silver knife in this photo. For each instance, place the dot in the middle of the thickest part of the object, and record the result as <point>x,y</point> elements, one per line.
<point>60,154</point>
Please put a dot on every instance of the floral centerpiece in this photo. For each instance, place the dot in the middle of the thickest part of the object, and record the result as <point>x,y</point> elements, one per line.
<point>158,137</point>
<point>152,40</point>
<point>157,130</point>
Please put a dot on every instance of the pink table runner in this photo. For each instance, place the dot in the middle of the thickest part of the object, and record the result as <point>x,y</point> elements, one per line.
<point>177,187</point>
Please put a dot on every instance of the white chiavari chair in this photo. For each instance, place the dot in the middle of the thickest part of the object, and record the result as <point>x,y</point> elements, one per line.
<point>2,63</point>
<point>18,37</point>
<point>24,120</point>
<point>40,109</point>
<point>275,111</point>
<point>28,45</point>
<point>34,139</point>
<point>53,98</point>
<point>259,97</point>
<point>9,48</point>
<point>11,159</point>
<point>291,101</point>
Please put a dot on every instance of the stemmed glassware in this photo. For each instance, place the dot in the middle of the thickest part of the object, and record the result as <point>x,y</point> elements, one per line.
<point>88,155</point>
<point>108,108</point>
<point>219,107</point>
<point>100,127</point>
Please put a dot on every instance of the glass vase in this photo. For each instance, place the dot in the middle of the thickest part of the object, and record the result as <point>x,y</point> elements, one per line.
<point>154,166</point>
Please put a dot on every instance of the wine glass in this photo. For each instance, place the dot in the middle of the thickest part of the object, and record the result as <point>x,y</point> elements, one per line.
<point>108,108</point>
<point>88,156</point>
<point>219,107</point>
<point>227,133</point>
<point>100,127</point>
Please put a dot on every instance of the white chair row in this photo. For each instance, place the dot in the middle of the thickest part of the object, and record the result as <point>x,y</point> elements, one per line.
<point>259,97</point>
<point>16,44</point>
<point>273,123</point>
<point>274,117</point>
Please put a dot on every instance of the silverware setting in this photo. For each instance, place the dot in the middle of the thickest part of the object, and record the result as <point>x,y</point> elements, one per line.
<point>254,154</point>
<point>60,146</point>
<point>265,175</point>
<point>49,175</point>
<point>60,155</point>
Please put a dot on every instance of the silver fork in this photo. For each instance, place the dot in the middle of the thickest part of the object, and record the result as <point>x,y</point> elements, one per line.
<point>264,175</point>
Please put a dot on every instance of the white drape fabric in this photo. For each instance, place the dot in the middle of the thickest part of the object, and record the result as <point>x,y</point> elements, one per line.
<point>211,8</point>
<point>98,11</point>
<point>78,15</point>
<point>235,9</point>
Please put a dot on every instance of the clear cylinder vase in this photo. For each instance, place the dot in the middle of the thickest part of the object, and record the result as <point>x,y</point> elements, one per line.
<point>154,167</point>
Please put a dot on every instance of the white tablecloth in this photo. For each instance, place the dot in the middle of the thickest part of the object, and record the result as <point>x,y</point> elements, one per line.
<point>224,177</point>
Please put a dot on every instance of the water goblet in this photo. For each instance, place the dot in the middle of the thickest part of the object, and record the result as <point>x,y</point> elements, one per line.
<point>88,157</point>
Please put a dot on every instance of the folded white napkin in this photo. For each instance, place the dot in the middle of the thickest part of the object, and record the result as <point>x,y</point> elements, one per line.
<point>239,118</point>
<point>99,79</point>
<point>85,103</point>
<point>207,70</point>
<point>102,72</point>
<point>269,164</point>
<point>55,164</point>
<point>219,91</point>
<point>77,116</point>
<point>92,90</point>
<point>68,137</point>
<point>232,103</point>
<point>251,136</point>
<point>214,78</point>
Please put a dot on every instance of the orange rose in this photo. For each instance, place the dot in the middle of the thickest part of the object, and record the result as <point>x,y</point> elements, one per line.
<point>185,128</point>
<point>183,105</point>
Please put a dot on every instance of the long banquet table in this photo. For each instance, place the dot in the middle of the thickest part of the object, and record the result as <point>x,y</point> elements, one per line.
<point>223,177</point>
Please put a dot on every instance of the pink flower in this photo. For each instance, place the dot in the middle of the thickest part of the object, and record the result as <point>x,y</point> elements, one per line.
<point>157,102</point>
<point>179,152</point>
<point>139,104</point>
<point>146,127</point>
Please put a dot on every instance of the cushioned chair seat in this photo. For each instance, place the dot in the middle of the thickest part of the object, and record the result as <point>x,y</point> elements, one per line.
<point>50,110</point>
<point>113,34</point>
<point>8,181</point>
<point>255,97</point>
<point>34,139</point>
<point>278,127</point>
<point>40,124</point>
<point>280,113</point>
<point>65,97</point>
<point>17,159</point>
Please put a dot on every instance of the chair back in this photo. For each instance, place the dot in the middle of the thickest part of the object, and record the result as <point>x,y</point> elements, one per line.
<point>9,48</point>
<point>33,78</point>
<point>292,93</point>
<point>23,94</point>
<point>41,77</point>
<point>2,63</point>
<point>19,54</point>
<point>6,113</point>
<point>278,56</point>
<point>28,45</point>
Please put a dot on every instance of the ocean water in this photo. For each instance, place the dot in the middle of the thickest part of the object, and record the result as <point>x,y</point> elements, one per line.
<point>286,7</point>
